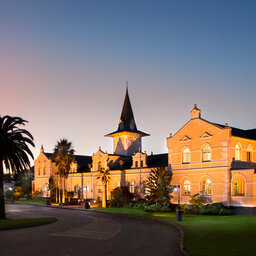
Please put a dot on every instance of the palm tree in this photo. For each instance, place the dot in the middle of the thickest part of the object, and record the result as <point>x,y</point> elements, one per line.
<point>63,155</point>
<point>14,150</point>
<point>158,184</point>
<point>104,176</point>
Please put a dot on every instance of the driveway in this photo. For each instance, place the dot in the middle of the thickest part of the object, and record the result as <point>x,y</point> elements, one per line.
<point>79,232</point>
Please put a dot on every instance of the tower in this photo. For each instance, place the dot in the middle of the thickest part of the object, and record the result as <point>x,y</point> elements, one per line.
<point>127,139</point>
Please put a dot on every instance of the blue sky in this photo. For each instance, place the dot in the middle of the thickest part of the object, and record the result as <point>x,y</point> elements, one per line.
<point>64,65</point>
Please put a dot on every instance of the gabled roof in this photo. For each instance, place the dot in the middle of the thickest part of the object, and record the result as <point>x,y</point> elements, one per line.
<point>127,121</point>
<point>247,134</point>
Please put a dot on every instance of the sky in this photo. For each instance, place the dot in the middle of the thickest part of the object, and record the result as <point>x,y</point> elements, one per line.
<point>64,66</point>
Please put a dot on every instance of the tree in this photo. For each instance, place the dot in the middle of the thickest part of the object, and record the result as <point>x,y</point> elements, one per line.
<point>14,150</point>
<point>104,177</point>
<point>158,185</point>
<point>63,155</point>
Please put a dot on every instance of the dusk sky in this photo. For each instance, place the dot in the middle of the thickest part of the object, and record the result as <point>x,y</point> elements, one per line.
<point>64,65</point>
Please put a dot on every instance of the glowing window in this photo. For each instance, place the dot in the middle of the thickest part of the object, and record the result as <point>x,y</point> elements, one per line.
<point>131,187</point>
<point>186,156</point>
<point>207,187</point>
<point>99,166</point>
<point>238,152</point>
<point>238,187</point>
<point>187,187</point>
<point>249,153</point>
<point>206,153</point>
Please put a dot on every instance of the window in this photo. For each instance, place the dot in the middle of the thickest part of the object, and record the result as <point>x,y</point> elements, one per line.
<point>249,153</point>
<point>186,156</point>
<point>187,187</point>
<point>131,187</point>
<point>207,187</point>
<point>39,171</point>
<point>136,164</point>
<point>238,152</point>
<point>238,187</point>
<point>206,153</point>
<point>99,166</point>
<point>141,163</point>
<point>44,172</point>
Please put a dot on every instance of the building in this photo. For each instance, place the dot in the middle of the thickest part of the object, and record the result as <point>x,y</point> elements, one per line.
<point>215,160</point>
<point>128,165</point>
<point>206,158</point>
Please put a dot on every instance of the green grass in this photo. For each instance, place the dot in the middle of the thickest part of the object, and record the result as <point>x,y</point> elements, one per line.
<point>21,223</point>
<point>29,201</point>
<point>209,235</point>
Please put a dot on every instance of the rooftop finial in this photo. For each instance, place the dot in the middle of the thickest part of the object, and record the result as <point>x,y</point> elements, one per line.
<point>42,149</point>
<point>126,85</point>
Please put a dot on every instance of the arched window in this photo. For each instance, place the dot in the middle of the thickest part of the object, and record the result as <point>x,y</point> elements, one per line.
<point>132,187</point>
<point>186,187</point>
<point>186,156</point>
<point>99,166</point>
<point>238,187</point>
<point>44,172</point>
<point>39,170</point>
<point>207,187</point>
<point>249,153</point>
<point>238,152</point>
<point>206,153</point>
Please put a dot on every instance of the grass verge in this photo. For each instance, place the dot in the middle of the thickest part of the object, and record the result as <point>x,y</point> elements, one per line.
<point>28,201</point>
<point>23,223</point>
<point>209,235</point>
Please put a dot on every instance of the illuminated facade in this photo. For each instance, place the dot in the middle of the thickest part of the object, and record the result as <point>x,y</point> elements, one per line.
<point>215,160</point>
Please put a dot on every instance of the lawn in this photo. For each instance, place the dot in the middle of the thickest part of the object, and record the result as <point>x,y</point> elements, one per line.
<point>209,235</point>
<point>28,201</point>
<point>21,223</point>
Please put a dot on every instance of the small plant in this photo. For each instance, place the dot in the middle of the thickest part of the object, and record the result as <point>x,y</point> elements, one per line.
<point>156,208</point>
<point>196,202</point>
<point>120,196</point>
<point>215,209</point>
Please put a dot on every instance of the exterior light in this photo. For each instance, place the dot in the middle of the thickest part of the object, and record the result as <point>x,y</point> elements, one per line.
<point>10,189</point>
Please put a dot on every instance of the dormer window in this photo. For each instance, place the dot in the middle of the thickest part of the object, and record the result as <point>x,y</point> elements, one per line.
<point>249,153</point>
<point>136,164</point>
<point>99,166</point>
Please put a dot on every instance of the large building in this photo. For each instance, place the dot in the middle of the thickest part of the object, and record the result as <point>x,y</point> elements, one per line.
<point>215,160</point>
<point>128,165</point>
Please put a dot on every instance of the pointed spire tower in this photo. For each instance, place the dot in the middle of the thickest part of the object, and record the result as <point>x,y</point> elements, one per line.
<point>127,139</point>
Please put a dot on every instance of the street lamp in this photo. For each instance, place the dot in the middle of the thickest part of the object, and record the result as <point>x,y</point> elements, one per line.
<point>178,211</point>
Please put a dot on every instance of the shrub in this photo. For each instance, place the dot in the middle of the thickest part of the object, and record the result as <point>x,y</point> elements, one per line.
<point>196,202</point>
<point>156,208</point>
<point>215,209</point>
<point>17,192</point>
<point>186,208</point>
<point>120,196</point>
<point>9,194</point>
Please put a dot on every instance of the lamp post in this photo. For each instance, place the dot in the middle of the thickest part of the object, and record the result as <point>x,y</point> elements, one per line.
<point>178,211</point>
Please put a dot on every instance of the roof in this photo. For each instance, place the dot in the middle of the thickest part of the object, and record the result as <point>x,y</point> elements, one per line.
<point>127,121</point>
<point>159,160</point>
<point>82,161</point>
<point>247,134</point>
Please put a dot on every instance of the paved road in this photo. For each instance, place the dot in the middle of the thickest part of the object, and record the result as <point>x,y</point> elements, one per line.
<point>87,233</point>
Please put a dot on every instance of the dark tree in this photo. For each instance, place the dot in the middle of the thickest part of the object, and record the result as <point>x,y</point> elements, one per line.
<point>158,185</point>
<point>14,150</point>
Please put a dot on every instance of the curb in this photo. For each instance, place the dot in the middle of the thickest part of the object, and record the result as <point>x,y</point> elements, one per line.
<point>30,225</point>
<point>153,220</point>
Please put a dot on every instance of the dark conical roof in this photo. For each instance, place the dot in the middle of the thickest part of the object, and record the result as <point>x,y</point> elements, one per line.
<point>127,120</point>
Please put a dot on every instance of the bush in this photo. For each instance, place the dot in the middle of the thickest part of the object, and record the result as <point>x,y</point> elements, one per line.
<point>196,202</point>
<point>9,194</point>
<point>215,209</point>
<point>120,196</point>
<point>156,208</point>
<point>186,208</point>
